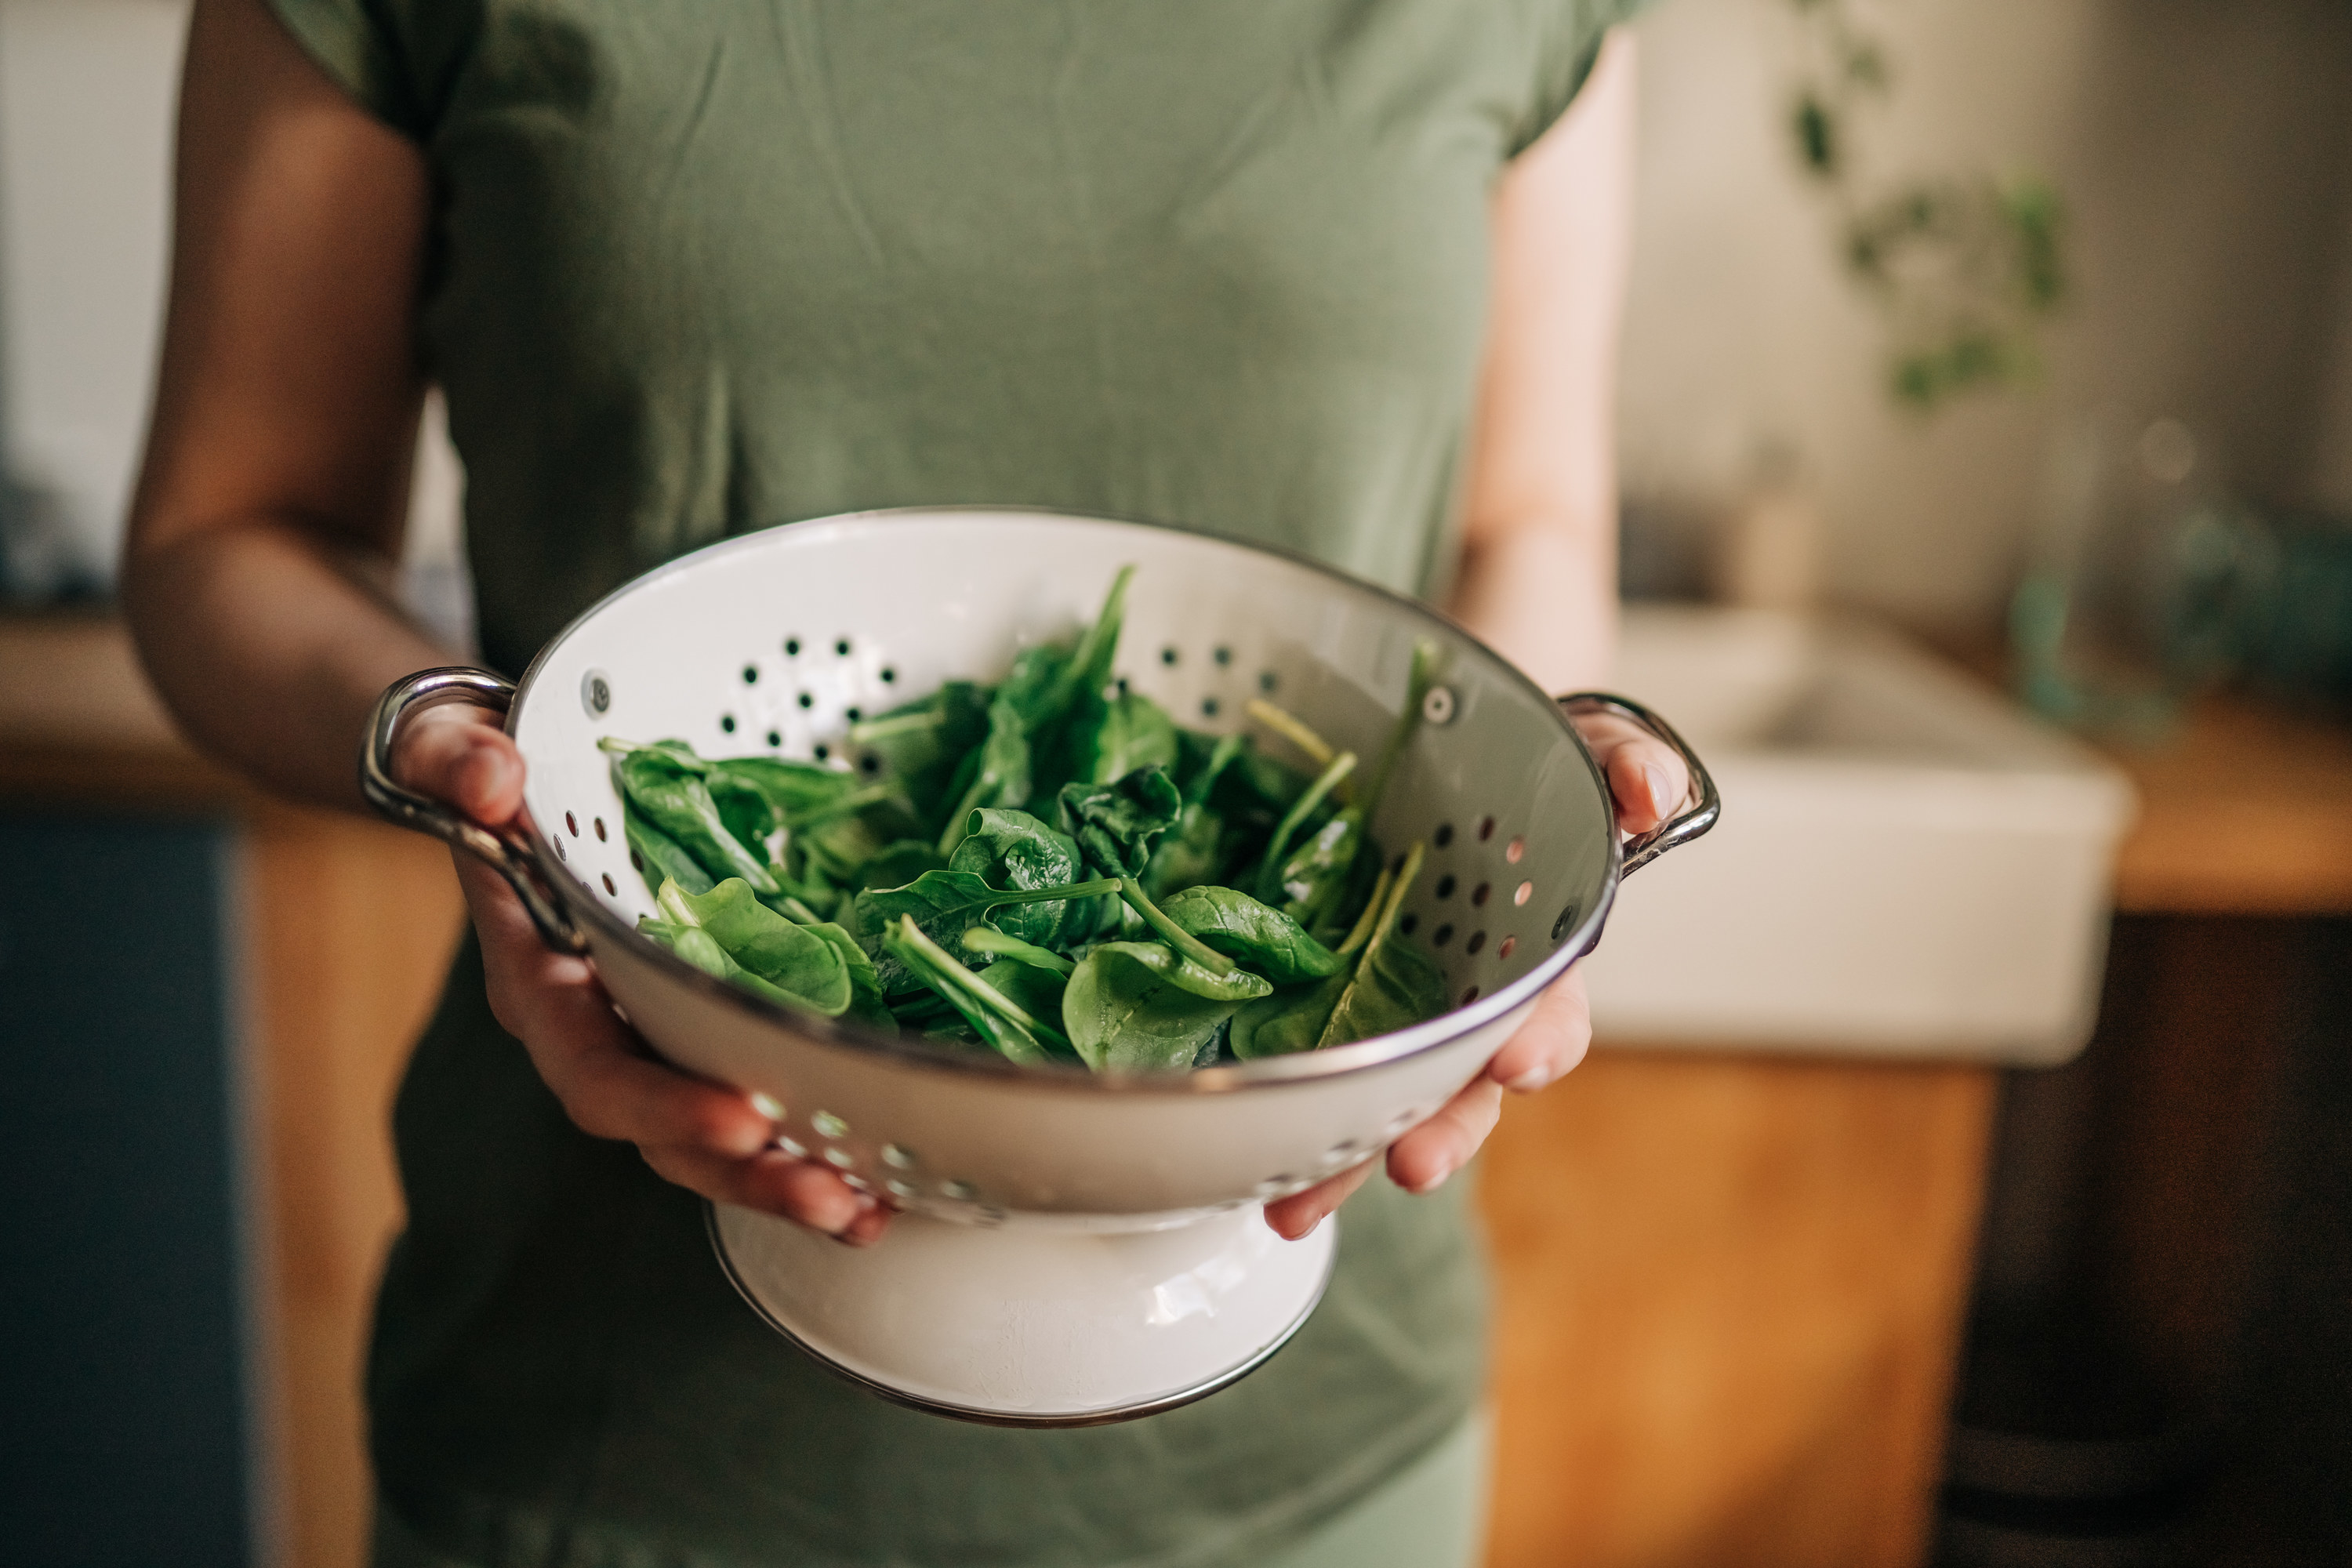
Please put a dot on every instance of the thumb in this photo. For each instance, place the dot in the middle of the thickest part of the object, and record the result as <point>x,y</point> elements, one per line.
<point>459,755</point>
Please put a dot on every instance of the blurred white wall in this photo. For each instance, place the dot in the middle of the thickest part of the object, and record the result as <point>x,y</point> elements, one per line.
<point>85,96</point>
<point>2206,151</point>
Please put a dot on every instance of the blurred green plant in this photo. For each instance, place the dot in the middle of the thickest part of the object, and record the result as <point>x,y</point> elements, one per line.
<point>1964,267</point>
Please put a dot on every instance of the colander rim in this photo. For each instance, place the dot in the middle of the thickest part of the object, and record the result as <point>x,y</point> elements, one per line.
<point>1296,1068</point>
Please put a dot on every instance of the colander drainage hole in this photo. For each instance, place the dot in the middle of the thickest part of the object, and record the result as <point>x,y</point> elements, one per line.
<point>1477,940</point>
<point>827,1125</point>
<point>559,854</point>
<point>870,763</point>
<point>726,722</point>
<point>806,700</point>
<point>609,888</point>
<point>793,647</point>
<point>1485,828</point>
<point>793,1147</point>
<point>775,738</point>
<point>841,647</point>
<point>1267,681</point>
<point>1208,707</point>
<point>600,837</point>
<point>1440,936</point>
<point>889,676</point>
<point>1514,851</point>
<point>1503,950</point>
<point>636,862</point>
<point>823,751</point>
<point>1523,892</point>
<point>1406,924</point>
<point>1167,655</point>
<point>1444,836</point>
<point>840,1159</point>
<point>851,714</point>
<point>751,675</point>
<point>1224,656</point>
<point>1445,887</point>
<point>1479,894</point>
<point>572,823</point>
<point>1469,997</point>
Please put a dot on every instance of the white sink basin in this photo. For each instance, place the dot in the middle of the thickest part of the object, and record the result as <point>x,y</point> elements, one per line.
<point>1907,865</point>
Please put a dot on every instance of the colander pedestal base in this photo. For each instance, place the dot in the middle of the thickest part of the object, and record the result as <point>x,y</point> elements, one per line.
<point>1033,1325</point>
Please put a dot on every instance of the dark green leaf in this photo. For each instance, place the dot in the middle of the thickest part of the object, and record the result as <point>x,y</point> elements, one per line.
<point>1116,825</point>
<point>1016,1033</point>
<point>1122,1016</point>
<point>1236,985</point>
<point>1291,1020</point>
<point>671,793</point>
<point>1395,984</point>
<point>660,859</point>
<point>1001,778</point>
<point>1110,739</point>
<point>792,958</point>
<point>1245,930</point>
<point>944,905</point>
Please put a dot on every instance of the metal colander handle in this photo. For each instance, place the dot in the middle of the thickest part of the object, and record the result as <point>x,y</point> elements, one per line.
<point>507,851</point>
<point>1677,830</point>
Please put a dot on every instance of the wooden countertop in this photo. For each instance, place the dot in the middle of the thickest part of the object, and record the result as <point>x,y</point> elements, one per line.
<point>80,726</point>
<point>2247,809</point>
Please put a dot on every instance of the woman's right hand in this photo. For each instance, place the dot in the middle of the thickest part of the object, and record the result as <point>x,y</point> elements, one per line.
<point>706,1138</point>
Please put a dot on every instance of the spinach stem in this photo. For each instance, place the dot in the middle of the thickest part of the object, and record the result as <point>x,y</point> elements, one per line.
<point>1404,880</point>
<point>866,730</point>
<point>996,944</point>
<point>1417,685</point>
<point>1279,845</point>
<point>1361,932</point>
<point>1174,935</point>
<point>979,991</point>
<point>672,900</point>
<point>1292,730</point>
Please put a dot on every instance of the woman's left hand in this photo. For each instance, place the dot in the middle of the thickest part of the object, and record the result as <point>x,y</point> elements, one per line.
<point>1649,782</point>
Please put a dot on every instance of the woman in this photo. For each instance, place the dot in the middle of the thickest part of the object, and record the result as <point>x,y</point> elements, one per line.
<point>693,269</point>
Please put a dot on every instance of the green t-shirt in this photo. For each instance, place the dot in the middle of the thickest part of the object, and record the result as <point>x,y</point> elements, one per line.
<point>708,266</point>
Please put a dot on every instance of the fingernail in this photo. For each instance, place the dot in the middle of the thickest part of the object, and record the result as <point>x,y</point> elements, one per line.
<point>1432,1182</point>
<point>1530,1080</point>
<point>1662,797</point>
<point>867,1202</point>
<point>768,1105</point>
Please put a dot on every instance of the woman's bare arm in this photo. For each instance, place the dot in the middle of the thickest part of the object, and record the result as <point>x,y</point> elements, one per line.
<point>268,514</point>
<point>1538,574</point>
<point>265,530</point>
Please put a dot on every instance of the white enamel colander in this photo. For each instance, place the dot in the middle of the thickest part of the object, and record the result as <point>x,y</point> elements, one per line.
<point>1077,1248</point>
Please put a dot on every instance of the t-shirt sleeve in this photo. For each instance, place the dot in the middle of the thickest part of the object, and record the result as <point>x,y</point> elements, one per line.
<point>1566,39</point>
<point>360,44</point>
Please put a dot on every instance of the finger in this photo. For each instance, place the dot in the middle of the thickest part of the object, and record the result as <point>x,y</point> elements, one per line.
<point>772,1183</point>
<point>1421,1160</point>
<point>1648,782</point>
<point>459,754</point>
<point>1295,1217</point>
<point>1550,1043</point>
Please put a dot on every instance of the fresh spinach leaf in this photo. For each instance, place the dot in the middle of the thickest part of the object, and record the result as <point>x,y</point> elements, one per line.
<point>1122,1016</point>
<point>1245,930</point>
<point>792,958</point>
<point>1116,825</point>
<point>660,859</point>
<point>945,904</point>
<point>1395,986</point>
<point>1015,1031</point>
<point>1236,985</point>
<point>673,796</point>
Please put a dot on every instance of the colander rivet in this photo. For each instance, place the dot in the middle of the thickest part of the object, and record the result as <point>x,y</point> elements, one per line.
<point>596,693</point>
<point>1437,705</point>
<point>828,1125</point>
<point>894,1154</point>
